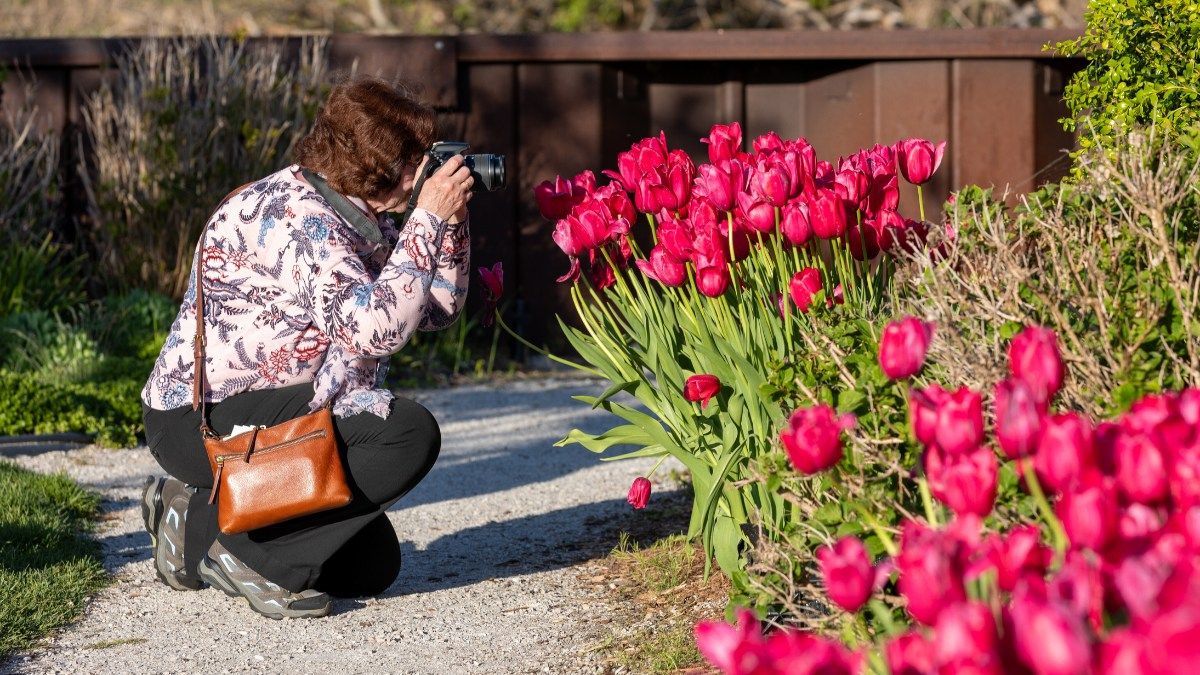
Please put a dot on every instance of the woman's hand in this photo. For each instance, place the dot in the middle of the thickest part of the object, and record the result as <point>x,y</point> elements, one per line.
<point>448,190</point>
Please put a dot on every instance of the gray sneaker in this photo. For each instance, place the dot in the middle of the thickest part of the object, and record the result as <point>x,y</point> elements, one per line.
<point>224,571</point>
<point>164,512</point>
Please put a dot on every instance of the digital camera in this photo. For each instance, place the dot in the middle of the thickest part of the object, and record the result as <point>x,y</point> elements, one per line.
<point>487,170</point>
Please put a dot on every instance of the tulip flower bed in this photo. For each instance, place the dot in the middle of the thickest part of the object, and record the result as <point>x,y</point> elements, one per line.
<point>758,294</point>
<point>1105,578</point>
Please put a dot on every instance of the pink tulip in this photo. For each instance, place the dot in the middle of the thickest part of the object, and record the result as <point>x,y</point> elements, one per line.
<point>965,639</point>
<point>680,173</point>
<point>1141,468</point>
<point>639,492</point>
<point>1018,418</point>
<point>1065,450</point>
<point>768,143</point>
<point>918,159</point>
<point>923,406</point>
<point>1189,405</point>
<point>585,181</point>
<point>827,214</point>
<point>1173,640</point>
<point>903,347</point>
<point>910,654</point>
<point>846,569</point>
<point>1079,587</point>
<point>966,482</point>
<point>909,236</point>
<point>852,185</point>
<point>712,281</point>
<point>813,439</point>
<point>1184,477</point>
<point>617,202</point>
<point>1033,356</point>
<point>734,650</point>
<point>555,198</point>
<point>757,215</point>
<point>771,181</point>
<point>493,286</point>
<point>663,268</point>
<point>1048,638</point>
<point>888,226</point>
<point>800,160</point>
<point>793,652</point>
<point>883,193</point>
<point>701,388</point>
<point>724,142</point>
<point>805,284</point>
<point>862,241</point>
<point>794,223</point>
<point>960,422</point>
<point>1089,514</point>
<point>675,236</point>
<point>1017,555</point>
<point>646,156</point>
<point>837,297</point>
<point>1123,652</point>
<point>931,575</point>
<point>720,184</point>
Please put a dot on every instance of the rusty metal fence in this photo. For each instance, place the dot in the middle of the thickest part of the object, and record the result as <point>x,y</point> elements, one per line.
<point>561,103</point>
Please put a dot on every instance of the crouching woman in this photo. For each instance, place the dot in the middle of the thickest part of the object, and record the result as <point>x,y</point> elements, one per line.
<point>308,288</point>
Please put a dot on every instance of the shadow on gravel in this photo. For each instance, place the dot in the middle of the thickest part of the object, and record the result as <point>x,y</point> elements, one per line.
<point>539,543</point>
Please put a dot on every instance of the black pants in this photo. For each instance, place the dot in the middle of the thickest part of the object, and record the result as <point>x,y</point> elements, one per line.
<point>350,551</point>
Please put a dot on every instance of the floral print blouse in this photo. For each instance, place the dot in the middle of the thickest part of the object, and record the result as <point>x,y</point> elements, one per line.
<point>294,294</point>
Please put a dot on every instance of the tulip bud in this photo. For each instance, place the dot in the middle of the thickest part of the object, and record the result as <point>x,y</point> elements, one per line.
<point>1141,468</point>
<point>805,284</point>
<point>910,654</point>
<point>757,215</point>
<point>585,182</point>
<point>771,182</point>
<point>883,193</point>
<point>851,185</point>
<point>923,405</point>
<point>903,347</point>
<point>701,388</point>
<point>960,422</point>
<point>846,569</point>
<point>639,492</point>
<point>1018,418</point>
<point>1049,639</point>
<point>965,639</point>
<point>1033,356</point>
<point>493,286</point>
<point>555,198</point>
<point>1065,450</point>
<point>724,142</point>
<point>663,268</point>
<point>1089,514</point>
<point>712,281</point>
<point>931,576</point>
<point>768,143</point>
<point>794,223</point>
<point>813,438</point>
<point>827,214</point>
<point>966,482</point>
<point>918,159</point>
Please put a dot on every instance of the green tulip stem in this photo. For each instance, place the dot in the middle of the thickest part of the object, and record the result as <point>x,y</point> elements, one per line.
<point>927,501</point>
<point>884,537</point>
<point>657,464</point>
<point>921,203</point>
<point>654,227</point>
<point>543,352</point>
<point>1052,521</point>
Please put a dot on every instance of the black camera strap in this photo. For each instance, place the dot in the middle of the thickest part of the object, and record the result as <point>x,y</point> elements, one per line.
<point>430,167</point>
<point>362,223</point>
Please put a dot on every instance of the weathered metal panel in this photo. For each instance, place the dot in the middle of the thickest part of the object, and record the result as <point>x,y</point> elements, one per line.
<point>993,126</point>
<point>47,87</point>
<point>840,111</point>
<point>430,63</point>
<point>912,99</point>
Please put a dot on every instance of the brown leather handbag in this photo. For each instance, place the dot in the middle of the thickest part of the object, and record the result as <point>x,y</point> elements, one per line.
<point>268,474</point>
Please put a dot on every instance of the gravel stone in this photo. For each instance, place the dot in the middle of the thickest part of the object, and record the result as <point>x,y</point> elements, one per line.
<point>492,539</point>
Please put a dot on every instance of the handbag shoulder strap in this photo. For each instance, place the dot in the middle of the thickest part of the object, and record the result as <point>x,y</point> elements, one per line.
<point>200,340</point>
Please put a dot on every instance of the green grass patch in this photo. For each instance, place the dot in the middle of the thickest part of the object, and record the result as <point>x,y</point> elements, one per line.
<point>47,566</point>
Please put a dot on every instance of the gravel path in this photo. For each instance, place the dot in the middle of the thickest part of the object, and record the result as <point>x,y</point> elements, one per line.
<point>491,539</point>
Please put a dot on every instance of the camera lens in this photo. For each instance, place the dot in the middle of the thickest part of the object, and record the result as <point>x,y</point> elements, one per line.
<point>488,171</point>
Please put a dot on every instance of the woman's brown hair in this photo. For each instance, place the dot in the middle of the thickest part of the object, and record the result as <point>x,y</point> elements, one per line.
<point>364,134</point>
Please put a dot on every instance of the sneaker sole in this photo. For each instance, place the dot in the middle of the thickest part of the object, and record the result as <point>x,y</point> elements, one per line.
<point>216,578</point>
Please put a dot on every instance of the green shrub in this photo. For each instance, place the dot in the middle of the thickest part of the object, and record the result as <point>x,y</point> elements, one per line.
<point>47,569</point>
<point>1142,69</point>
<point>184,122</point>
<point>108,409</point>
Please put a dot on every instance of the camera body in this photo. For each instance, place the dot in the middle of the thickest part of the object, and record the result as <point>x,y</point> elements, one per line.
<point>487,170</point>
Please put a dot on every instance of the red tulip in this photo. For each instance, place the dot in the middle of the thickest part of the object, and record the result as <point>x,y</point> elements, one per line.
<point>966,640</point>
<point>1141,468</point>
<point>582,230</point>
<point>851,185</point>
<point>712,281</point>
<point>1089,514</point>
<point>680,173</point>
<point>1123,652</point>
<point>794,223</point>
<point>1079,586</point>
<point>585,181</point>
<point>757,215</point>
<point>800,160</point>
<point>923,406</point>
<point>768,143</point>
<point>813,439</point>
<point>771,181</point>
<point>645,156</point>
<point>639,492</point>
<point>675,236</point>
<point>724,142</point>
<point>883,193</point>
<point>617,202</point>
<point>862,241</point>
<point>931,574</point>
<point>909,236</point>
<point>1065,450</point>
<point>805,284</point>
<point>827,214</point>
<point>966,482</point>
<point>793,652</point>
<point>701,388</point>
<point>1189,405</point>
<point>555,198</point>
<point>1015,556</point>
<point>1033,356</point>
<point>846,569</point>
<point>493,286</point>
<point>1173,640</point>
<point>1048,638</point>
<point>960,422</point>
<point>720,184</point>
<point>734,650</point>
<point>910,654</point>
<point>1018,418</point>
<point>1185,477</point>
<point>663,268</point>
<point>888,226</point>
<point>903,347</point>
<point>918,159</point>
